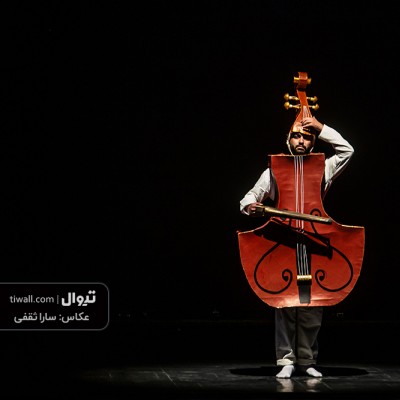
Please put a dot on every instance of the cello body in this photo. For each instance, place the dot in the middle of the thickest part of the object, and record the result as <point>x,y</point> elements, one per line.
<point>290,262</point>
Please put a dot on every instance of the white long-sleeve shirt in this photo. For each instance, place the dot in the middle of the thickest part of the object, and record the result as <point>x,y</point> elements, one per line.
<point>265,187</point>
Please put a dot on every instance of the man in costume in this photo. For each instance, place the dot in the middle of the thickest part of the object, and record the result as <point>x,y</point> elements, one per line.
<point>297,328</point>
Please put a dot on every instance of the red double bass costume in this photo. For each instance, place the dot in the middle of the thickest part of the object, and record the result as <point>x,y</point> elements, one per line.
<point>300,256</point>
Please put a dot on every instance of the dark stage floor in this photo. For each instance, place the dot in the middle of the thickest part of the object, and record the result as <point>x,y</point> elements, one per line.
<point>239,380</point>
<point>197,360</point>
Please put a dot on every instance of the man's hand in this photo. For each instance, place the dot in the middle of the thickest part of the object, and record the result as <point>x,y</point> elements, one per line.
<point>252,209</point>
<point>312,125</point>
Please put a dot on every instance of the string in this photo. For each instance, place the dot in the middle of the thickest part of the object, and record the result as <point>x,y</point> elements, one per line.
<point>301,251</point>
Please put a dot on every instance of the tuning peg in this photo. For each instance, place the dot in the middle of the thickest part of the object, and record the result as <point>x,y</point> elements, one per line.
<point>287,105</point>
<point>315,107</point>
<point>297,80</point>
<point>287,97</point>
<point>312,99</point>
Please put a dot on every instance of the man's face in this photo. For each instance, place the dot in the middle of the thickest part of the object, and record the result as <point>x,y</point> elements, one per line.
<point>301,142</point>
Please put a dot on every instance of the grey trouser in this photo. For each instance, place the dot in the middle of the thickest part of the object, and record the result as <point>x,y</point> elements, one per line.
<point>296,331</point>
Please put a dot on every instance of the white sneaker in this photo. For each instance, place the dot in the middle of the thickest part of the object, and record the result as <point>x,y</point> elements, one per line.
<point>286,372</point>
<point>313,372</point>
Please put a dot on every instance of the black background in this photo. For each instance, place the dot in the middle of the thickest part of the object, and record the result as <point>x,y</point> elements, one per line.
<point>131,130</point>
